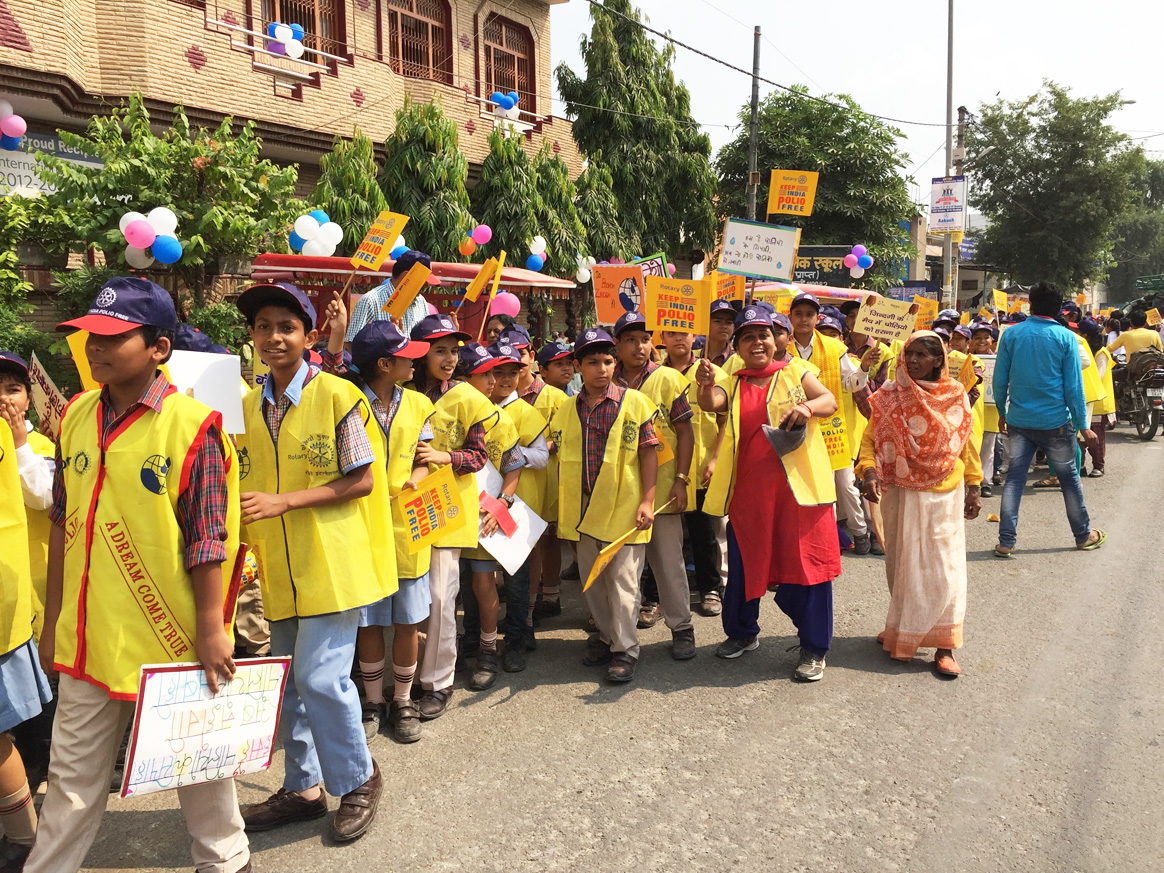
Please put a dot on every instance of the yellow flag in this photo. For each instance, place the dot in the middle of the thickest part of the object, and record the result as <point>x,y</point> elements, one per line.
<point>474,289</point>
<point>965,317</point>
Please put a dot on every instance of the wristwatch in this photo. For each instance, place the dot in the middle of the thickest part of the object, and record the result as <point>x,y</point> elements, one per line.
<point>506,499</point>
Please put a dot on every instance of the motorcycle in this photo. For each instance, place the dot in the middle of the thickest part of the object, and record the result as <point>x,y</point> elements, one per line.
<point>1140,401</point>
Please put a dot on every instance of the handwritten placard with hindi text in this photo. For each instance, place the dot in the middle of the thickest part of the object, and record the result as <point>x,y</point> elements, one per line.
<point>886,319</point>
<point>184,735</point>
<point>757,250</point>
<point>47,399</point>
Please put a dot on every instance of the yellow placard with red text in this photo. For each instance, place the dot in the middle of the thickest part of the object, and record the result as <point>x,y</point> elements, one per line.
<point>677,304</point>
<point>404,293</point>
<point>1153,317</point>
<point>377,243</point>
<point>927,311</point>
<point>726,287</point>
<point>792,192</point>
<point>432,511</point>
<point>964,318</point>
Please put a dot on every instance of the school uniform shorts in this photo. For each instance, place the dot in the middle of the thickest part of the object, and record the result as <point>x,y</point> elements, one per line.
<point>409,605</point>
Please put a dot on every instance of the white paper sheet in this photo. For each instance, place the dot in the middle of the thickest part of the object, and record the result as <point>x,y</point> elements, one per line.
<point>511,552</point>
<point>215,380</point>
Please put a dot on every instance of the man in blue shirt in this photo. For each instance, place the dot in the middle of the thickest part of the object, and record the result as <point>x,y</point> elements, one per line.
<point>370,307</point>
<point>1038,381</point>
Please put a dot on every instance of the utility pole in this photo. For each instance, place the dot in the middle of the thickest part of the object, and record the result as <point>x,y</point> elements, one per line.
<point>959,160</point>
<point>753,142</point>
<point>949,295</point>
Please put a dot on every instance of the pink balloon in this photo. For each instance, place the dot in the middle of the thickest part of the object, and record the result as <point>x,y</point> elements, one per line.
<point>432,310</point>
<point>13,125</point>
<point>850,261</point>
<point>670,269</point>
<point>140,234</point>
<point>505,304</point>
<point>543,256</point>
<point>482,233</point>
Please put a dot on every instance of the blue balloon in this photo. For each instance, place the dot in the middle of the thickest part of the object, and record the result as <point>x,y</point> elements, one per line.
<point>514,96</point>
<point>298,32</point>
<point>166,249</point>
<point>496,97</point>
<point>865,262</point>
<point>296,242</point>
<point>271,29</point>
<point>319,215</point>
<point>534,262</point>
<point>9,143</point>
<point>397,252</point>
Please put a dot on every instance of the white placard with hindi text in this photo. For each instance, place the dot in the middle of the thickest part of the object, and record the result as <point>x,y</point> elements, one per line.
<point>988,377</point>
<point>758,250</point>
<point>511,552</point>
<point>211,379</point>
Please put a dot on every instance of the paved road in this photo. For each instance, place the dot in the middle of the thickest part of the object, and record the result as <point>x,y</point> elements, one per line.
<point>1044,756</point>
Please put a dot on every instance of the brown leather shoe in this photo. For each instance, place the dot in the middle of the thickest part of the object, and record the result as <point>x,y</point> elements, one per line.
<point>283,808</point>
<point>357,808</point>
<point>597,652</point>
<point>434,703</point>
<point>622,668</point>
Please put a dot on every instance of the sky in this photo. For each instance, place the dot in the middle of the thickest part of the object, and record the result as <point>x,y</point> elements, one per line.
<point>890,56</point>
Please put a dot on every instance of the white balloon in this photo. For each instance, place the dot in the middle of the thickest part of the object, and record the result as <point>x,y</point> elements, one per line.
<point>137,258</point>
<point>399,242</point>
<point>284,33</point>
<point>317,248</point>
<point>856,272</point>
<point>307,227</point>
<point>295,49</point>
<point>331,234</point>
<point>127,218</point>
<point>592,261</point>
<point>5,109</point>
<point>163,221</point>
<point>583,276</point>
<point>538,245</point>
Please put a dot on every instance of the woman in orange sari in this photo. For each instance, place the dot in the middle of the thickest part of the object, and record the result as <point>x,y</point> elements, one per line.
<point>917,460</point>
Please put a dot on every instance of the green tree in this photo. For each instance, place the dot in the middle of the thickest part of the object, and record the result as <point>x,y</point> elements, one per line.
<point>557,214</point>
<point>348,190</point>
<point>506,198</point>
<point>1052,177</point>
<point>424,178</point>
<point>1139,243</point>
<point>228,200</point>
<point>861,196</point>
<point>630,109</point>
<point>598,210</point>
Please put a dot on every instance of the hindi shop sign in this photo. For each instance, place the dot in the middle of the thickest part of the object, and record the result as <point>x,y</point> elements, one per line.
<point>885,319</point>
<point>184,735</point>
<point>677,304</point>
<point>792,192</point>
<point>822,265</point>
<point>757,250</point>
<point>948,204</point>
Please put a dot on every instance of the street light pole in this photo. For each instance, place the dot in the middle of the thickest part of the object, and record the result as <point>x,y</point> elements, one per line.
<point>948,293</point>
<point>754,140</point>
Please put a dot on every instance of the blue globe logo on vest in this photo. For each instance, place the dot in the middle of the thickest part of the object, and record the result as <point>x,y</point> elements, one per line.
<point>153,474</point>
<point>244,462</point>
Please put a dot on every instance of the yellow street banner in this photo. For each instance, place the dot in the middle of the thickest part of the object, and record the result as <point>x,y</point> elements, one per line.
<point>792,192</point>
<point>885,319</point>
<point>1000,301</point>
<point>378,242</point>
<point>484,275</point>
<point>497,275</point>
<point>1015,307</point>
<point>984,312</point>
<point>1081,299</point>
<point>927,311</point>
<point>677,304</point>
<point>404,293</point>
<point>1153,316</point>
<point>432,511</point>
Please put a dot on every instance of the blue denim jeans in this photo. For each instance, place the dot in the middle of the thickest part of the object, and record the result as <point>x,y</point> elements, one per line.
<point>1061,448</point>
<point>513,626</point>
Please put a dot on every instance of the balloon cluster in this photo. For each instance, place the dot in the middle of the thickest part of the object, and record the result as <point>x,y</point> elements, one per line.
<point>584,265</point>
<point>505,105</point>
<point>481,234</point>
<point>316,235</point>
<point>285,39</point>
<point>12,127</point>
<point>156,232</point>
<point>537,254</point>
<point>858,261</point>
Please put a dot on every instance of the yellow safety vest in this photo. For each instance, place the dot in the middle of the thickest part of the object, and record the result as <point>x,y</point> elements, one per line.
<point>128,598</point>
<point>548,402</point>
<point>663,387</point>
<point>1092,384</point>
<point>39,526</point>
<point>458,409</point>
<point>962,367</point>
<point>16,595</point>
<point>530,425</point>
<point>808,469</point>
<point>706,427</point>
<point>614,505</point>
<point>827,359</point>
<point>329,558</point>
<point>1107,404</point>
<point>399,446</point>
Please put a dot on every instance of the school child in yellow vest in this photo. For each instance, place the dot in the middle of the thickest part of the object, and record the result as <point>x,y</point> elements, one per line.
<point>982,337</point>
<point>607,468</point>
<point>840,376</point>
<point>145,512</point>
<point>459,427</point>
<point>1103,412</point>
<point>705,534</point>
<point>316,513</point>
<point>667,389</point>
<point>381,362</point>
<point>531,427</point>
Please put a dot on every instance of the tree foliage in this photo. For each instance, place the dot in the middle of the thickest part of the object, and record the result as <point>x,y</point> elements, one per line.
<point>228,200</point>
<point>348,190</point>
<point>557,214</point>
<point>861,197</point>
<point>506,198</point>
<point>1139,242</point>
<point>1055,181</point>
<point>424,178</point>
<point>630,109</point>
<point>598,211</point>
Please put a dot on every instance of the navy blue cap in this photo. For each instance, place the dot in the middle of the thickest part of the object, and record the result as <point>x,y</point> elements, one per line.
<point>805,297</point>
<point>831,322</point>
<point>722,306</point>
<point>126,303</point>
<point>963,330</point>
<point>827,309</point>
<point>475,358</point>
<point>591,336</point>
<point>436,326</point>
<point>15,360</point>
<point>633,320</point>
<point>282,294</point>
<point>552,352</point>
<point>752,315</point>
<point>410,259</point>
<point>782,320</point>
<point>1016,318</point>
<point>191,339</point>
<point>943,332</point>
<point>506,353</point>
<point>1090,327</point>
<point>983,325</point>
<point>762,304</point>
<point>382,339</point>
<point>517,336</point>
<point>947,315</point>
<point>698,343</point>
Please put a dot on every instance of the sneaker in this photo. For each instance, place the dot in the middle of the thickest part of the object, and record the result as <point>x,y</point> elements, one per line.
<point>622,668</point>
<point>514,659</point>
<point>875,547</point>
<point>373,716</point>
<point>996,479</point>
<point>405,720</point>
<point>486,673</point>
<point>434,703</point>
<point>711,604</point>
<point>733,647</point>
<point>683,644</point>
<point>597,652</point>
<point>649,615</point>
<point>986,490</point>
<point>283,808</point>
<point>547,609</point>
<point>810,668</point>
<point>570,574</point>
<point>861,544</point>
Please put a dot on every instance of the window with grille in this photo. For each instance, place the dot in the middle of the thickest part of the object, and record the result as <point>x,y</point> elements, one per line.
<point>321,20</point>
<point>418,41</point>
<point>509,53</point>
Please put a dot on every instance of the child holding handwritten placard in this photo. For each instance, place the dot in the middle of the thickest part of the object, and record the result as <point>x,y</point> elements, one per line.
<point>382,361</point>
<point>145,511</point>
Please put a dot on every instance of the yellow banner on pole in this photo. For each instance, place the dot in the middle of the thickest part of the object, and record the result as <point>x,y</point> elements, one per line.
<point>432,511</point>
<point>377,243</point>
<point>1153,316</point>
<point>1000,301</point>
<point>927,311</point>
<point>474,289</point>
<point>792,192</point>
<point>404,293</point>
<point>680,305</point>
<point>607,555</point>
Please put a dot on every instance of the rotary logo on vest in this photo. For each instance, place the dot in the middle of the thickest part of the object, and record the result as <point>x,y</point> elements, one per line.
<point>319,453</point>
<point>153,474</point>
